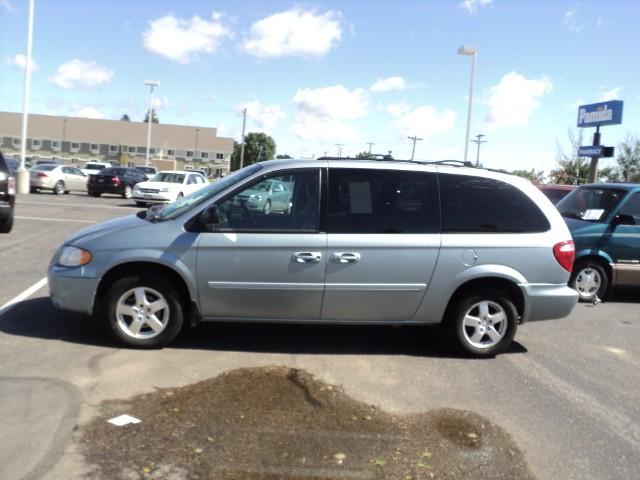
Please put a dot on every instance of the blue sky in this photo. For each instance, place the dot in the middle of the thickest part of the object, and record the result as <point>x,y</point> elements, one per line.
<point>317,73</point>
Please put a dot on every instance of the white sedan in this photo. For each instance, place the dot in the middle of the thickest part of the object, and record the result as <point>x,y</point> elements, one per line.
<point>167,186</point>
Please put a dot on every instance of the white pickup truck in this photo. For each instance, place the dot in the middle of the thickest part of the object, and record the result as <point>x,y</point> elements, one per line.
<point>92,168</point>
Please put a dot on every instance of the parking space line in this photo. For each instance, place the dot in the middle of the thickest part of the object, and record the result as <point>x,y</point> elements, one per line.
<point>55,219</point>
<point>24,295</point>
<point>64,204</point>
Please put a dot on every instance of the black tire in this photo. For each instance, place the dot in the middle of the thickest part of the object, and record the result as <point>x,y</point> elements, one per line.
<point>7,224</point>
<point>58,188</point>
<point>469,303</point>
<point>128,192</point>
<point>141,204</point>
<point>585,270</point>
<point>174,320</point>
<point>33,190</point>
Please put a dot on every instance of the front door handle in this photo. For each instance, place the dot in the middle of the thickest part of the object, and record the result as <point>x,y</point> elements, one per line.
<point>307,257</point>
<point>345,257</point>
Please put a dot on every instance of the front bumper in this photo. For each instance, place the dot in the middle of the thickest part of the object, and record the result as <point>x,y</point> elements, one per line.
<point>547,301</point>
<point>151,197</point>
<point>71,290</point>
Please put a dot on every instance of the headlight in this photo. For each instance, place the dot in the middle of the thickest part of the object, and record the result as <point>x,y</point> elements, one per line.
<point>73,257</point>
<point>255,197</point>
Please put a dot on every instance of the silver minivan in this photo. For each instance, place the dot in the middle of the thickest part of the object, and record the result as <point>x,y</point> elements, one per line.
<point>358,242</point>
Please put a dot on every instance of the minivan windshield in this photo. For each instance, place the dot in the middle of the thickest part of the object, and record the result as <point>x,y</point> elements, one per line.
<point>199,197</point>
<point>592,204</point>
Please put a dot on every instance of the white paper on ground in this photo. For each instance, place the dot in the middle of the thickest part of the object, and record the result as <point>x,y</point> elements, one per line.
<point>122,420</point>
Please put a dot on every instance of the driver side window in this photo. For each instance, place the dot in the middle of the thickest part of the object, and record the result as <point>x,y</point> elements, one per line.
<point>262,208</point>
<point>632,207</point>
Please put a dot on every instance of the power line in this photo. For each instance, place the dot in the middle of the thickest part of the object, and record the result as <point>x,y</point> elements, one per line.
<point>339,145</point>
<point>413,150</point>
<point>478,141</point>
<point>370,145</point>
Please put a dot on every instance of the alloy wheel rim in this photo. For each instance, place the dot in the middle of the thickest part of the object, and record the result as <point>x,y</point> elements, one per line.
<point>142,313</point>
<point>588,282</point>
<point>484,324</point>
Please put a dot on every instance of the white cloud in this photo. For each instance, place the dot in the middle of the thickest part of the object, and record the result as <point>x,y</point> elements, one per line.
<point>266,117</point>
<point>424,122</point>
<point>86,112</point>
<point>20,61</point>
<point>183,40</point>
<point>611,94</point>
<point>322,113</point>
<point>6,4</point>
<point>471,6</point>
<point>160,102</point>
<point>294,32</point>
<point>397,109</point>
<point>388,84</point>
<point>79,73</point>
<point>570,20</point>
<point>514,99</point>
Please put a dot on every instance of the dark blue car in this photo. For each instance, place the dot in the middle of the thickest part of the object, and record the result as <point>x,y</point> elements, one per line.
<point>604,220</point>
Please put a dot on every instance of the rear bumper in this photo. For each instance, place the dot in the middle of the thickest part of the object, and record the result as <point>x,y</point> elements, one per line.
<point>70,290</point>
<point>38,183</point>
<point>98,188</point>
<point>547,301</point>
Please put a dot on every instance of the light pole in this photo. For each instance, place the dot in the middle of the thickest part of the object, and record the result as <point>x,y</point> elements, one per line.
<point>22,175</point>
<point>195,151</point>
<point>472,52</point>
<point>151,84</point>
<point>478,141</point>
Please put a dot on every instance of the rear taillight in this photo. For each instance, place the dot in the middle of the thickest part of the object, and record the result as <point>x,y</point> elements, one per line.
<point>42,175</point>
<point>565,252</point>
<point>12,186</point>
<point>115,181</point>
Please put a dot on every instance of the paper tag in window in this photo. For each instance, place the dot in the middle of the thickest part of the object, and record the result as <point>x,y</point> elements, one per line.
<point>360,197</point>
<point>593,214</point>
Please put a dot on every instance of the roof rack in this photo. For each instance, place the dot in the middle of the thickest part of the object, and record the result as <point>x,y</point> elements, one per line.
<point>445,163</point>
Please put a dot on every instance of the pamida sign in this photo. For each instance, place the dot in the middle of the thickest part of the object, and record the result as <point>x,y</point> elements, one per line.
<point>599,114</point>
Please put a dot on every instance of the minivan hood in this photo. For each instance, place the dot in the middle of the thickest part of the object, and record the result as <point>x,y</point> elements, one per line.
<point>105,228</point>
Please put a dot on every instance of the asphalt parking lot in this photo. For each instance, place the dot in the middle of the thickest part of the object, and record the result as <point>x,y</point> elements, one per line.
<point>568,392</point>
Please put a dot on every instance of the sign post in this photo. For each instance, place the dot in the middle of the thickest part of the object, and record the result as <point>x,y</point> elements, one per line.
<point>597,115</point>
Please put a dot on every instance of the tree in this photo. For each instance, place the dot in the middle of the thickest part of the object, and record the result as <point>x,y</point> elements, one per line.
<point>258,147</point>
<point>572,169</point>
<point>154,116</point>
<point>125,118</point>
<point>283,156</point>
<point>532,175</point>
<point>363,155</point>
<point>628,159</point>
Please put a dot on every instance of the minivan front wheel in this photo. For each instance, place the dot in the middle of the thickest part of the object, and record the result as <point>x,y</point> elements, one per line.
<point>483,322</point>
<point>590,280</point>
<point>143,311</point>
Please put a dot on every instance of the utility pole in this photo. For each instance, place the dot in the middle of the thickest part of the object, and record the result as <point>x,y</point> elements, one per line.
<point>478,141</point>
<point>151,84</point>
<point>339,145</point>
<point>415,139</point>
<point>370,144</point>
<point>244,123</point>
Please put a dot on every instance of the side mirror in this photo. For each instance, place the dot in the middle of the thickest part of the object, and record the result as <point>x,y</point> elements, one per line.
<point>623,219</point>
<point>210,216</point>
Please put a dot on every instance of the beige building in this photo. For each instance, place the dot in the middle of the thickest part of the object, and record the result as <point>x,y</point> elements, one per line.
<point>73,140</point>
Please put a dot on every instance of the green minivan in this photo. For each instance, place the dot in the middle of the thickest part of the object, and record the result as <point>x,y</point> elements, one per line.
<point>604,220</point>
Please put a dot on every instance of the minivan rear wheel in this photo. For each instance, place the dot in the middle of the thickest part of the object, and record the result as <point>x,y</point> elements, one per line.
<point>590,280</point>
<point>143,311</point>
<point>483,322</point>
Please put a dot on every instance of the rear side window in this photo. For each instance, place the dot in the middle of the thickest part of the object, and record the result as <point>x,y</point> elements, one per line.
<point>382,201</point>
<point>484,205</point>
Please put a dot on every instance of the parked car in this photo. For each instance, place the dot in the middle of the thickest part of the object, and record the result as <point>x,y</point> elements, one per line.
<point>167,186</point>
<point>93,168</point>
<point>363,242</point>
<point>267,197</point>
<point>7,196</point>
<point>116,180</point>
<point>554,192</point>
<point>149,172</point>
<point>57,178</point>
<point>604,220</point>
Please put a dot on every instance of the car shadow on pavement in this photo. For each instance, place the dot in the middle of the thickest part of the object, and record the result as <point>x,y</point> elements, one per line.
<point>37,318</point>
<point>625,295</point>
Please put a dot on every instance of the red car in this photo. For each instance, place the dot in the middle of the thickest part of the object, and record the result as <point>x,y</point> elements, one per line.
<point>554,192</point>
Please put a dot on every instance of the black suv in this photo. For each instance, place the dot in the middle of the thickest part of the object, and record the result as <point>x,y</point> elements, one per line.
<point>7,196</point>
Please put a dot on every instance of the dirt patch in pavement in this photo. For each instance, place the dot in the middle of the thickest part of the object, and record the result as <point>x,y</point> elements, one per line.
<point>280,423</point>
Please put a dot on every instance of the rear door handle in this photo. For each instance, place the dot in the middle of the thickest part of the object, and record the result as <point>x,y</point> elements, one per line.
<point>345,257</point>
<point>307,257</point>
